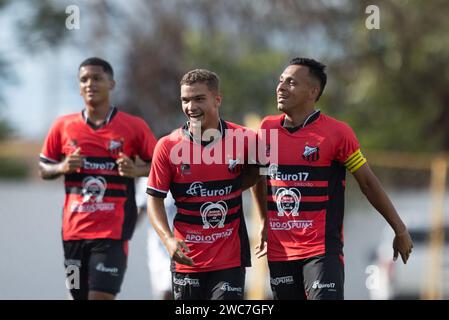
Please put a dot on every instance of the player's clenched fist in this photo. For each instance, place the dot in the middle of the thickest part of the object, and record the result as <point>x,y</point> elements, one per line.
<point>126,166</point>
<point>72,162</point>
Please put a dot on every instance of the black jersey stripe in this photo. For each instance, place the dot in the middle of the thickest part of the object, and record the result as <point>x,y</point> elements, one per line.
<point>107,193</point>
<point>206,188</point>
<point>198,220</point>
<point>288,172</point>
<point>303,206</point>
<point>45,159</point>
<point>79,177</point>
<point>155,193</point>
<point>305,191</point>
<point>196,206</point>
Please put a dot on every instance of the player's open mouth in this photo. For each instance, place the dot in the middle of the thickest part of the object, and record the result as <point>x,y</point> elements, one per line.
<point>195,116</point>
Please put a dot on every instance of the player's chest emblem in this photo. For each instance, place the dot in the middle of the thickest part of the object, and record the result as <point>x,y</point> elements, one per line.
<point>311,153</point>
<point>93,189</point>
<point>287,201</point>
<point>214,214</point>
<point>185,169</point>
<point>234,166</point>
<point>115,146</point>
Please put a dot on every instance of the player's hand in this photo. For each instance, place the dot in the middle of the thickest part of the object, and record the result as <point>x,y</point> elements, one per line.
<point>126,166</point>
<point>403,245</point>
<point>261,247</point>
<point>177,250</point>
<point>73,162</point>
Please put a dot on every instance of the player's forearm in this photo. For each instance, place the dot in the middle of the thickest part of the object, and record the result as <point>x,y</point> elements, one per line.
<point>381,202</point>
<point>259,191</point>
<point>158,217</point>
<point>50,171</point>
<point>143,170</point>
<point>250,177</point>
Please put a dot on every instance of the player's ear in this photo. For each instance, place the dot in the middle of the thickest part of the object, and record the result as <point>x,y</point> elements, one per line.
<point>218,99</point>
<point>111,84</point>
<point>314,92</point>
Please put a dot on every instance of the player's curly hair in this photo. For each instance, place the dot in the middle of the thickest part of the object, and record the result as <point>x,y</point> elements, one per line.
<point>316,70</point>
<point>207,77</point>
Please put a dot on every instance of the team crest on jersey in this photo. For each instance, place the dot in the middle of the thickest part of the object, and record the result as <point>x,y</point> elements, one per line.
<point>73,144</point>
<point>234,166</point>
<point>115,147</point>
<point>93,189</point>
<point>287,201</point>
<point>185,168</point>
<point>311,153</point>
<point>213,214</point>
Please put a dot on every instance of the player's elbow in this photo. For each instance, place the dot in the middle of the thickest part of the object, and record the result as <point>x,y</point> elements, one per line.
<point>42,174</point>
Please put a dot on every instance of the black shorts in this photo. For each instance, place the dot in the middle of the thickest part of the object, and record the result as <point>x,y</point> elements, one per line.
<point>226,284</point>
<point>315,278</point>
<point>94,265</point>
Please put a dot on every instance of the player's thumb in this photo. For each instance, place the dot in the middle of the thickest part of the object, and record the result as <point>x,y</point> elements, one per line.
<point>122,155</point>
<point>186,248</point>
<point>77,152</point>
<point>395,255</point>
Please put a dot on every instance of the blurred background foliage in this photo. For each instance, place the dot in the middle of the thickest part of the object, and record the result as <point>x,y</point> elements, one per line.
<point>390,84</point>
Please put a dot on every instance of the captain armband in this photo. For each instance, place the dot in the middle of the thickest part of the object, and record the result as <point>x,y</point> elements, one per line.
<point>355,161</point>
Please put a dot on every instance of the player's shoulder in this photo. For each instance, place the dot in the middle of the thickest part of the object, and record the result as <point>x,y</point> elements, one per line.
<point>170,139</point>
<point>234,126</point>
<point>66,119</point>
<point>334,125</point>
<point>130,119</point>
<point>271,121</point>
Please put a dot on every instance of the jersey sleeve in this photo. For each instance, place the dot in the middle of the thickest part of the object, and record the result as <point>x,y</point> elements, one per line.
<point>348,149</point>
<point>146,142</point>
<point>52,149</point>
<point>251,158</point>
<point>264,145</point>
<point>161,172</point>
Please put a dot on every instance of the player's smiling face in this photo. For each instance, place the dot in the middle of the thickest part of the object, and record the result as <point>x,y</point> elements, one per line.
<point>95,84</point>
<point>295,89</point>
<point>201,104</point>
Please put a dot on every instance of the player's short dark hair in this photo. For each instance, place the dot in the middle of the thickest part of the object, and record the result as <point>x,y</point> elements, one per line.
<point>316,70</point>
<point>94,61</point>
<point>207,77</point>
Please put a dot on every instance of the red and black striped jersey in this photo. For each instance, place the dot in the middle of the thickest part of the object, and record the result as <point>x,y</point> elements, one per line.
<point>206,183</point>
<point>99,203</point>
<point>305,186</point>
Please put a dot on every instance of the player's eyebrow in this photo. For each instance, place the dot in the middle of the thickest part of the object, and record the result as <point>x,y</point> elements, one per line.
<point>193,97</point>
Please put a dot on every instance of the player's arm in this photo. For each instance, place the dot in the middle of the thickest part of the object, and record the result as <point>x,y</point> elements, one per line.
<point>250,176</point>
<point>127,167</point>
<point>176,248</point>
<point>70,164</point>
<point>372,188</point>
<point>259,192</point>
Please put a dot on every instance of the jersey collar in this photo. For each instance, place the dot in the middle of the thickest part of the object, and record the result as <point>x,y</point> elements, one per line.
<point>112,112</point>
<point>222,127</point>
<point>311,118</point>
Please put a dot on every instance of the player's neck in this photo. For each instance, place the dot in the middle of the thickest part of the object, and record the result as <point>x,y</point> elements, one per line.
<point>197,130</point>
<point>97,113</point>
<point>296,119</point>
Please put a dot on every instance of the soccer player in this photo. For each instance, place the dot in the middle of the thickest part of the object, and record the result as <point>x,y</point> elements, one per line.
<point>95,151</point>
<point>205,165</point>
<point>301,200</point>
